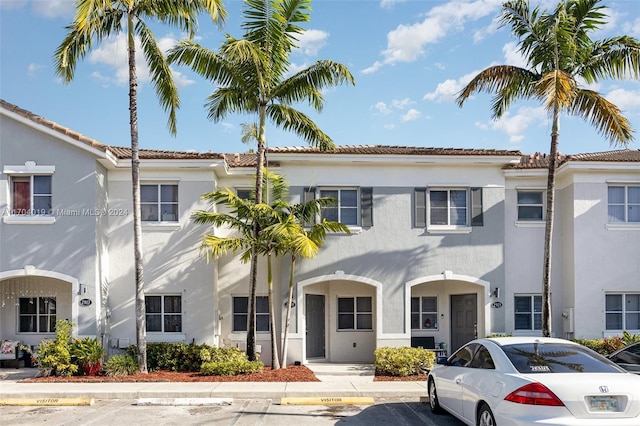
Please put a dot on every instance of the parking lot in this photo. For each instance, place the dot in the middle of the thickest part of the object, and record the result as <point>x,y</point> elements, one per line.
<point>240,412</point>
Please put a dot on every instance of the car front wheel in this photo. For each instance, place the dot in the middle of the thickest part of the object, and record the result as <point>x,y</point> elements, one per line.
<point>485,416</point>
<point>433,398</point>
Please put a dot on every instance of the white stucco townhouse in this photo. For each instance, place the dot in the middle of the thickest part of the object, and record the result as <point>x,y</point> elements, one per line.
<point>445,244</point>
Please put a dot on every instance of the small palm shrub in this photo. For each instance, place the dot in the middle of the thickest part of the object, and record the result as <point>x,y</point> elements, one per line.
<point>54,355</point>
<point>121,365</point>
<point>227,362</point>
<point>403,361</point>
<point>171,356</point>
<point>87,354</point>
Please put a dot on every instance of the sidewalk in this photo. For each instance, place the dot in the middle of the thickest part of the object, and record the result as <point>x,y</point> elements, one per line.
<point>342,386</point>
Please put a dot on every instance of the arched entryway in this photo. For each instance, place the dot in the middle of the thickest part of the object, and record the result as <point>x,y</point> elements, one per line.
<point>31,300</point>
<point>340,319</point>
<point>447,309</point>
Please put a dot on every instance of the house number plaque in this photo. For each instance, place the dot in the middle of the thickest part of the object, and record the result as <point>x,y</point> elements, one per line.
<point>85,302</point>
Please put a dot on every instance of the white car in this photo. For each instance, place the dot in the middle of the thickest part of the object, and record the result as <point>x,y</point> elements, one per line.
<point>533,381</point>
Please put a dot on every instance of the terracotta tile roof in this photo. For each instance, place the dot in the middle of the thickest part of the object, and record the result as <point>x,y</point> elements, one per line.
<point>393,150</point>
<point>157,154</point>
<point>541,161</point>
<point>52,125</point>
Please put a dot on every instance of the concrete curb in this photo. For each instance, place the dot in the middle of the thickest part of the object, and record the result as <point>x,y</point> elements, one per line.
<point>48,401</point>
<point>184,401</point>
<point>329,400</point>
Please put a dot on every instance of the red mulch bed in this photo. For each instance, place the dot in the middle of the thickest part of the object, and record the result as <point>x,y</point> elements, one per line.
<point>297,373</point>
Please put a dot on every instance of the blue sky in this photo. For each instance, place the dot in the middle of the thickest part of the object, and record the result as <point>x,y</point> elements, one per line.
<point>409,59</point>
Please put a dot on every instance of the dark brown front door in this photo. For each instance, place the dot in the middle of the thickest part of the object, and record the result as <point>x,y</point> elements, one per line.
<point>464,319</point>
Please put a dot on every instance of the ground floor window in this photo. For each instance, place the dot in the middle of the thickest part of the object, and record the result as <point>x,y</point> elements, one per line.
<point>424,313</point>
<point>355,313</point>
<point>622,311</point>
<point>37,315</point>
<point>528,312</point>
<point>163,313</point>
<point>241,313</point>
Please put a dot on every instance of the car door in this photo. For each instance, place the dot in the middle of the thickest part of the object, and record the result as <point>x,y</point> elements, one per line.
<point>477,382</point>
<point>450,378</point>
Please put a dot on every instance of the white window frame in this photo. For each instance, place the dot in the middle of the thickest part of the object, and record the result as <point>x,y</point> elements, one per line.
<point>263,314</point>
<point>532,313</point>
<point>159,202</point>
<point>355,313</point>
<point>625,204</point>
<point>449,227</point>
<point>540,205</point>
<point>38,315</point>
<point>623,312</point>
<point>339,205</point>
<point>424,315</point>
<point>243,190</point>
<point>29,170</point>
<point>162,314</point>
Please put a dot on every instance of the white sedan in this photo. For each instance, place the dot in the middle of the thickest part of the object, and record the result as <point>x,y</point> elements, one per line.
<point>533,381</point>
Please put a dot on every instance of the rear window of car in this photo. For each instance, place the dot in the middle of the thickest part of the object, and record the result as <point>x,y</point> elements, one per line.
<point>531,358</point>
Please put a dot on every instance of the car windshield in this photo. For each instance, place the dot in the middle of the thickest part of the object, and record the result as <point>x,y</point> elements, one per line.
<point>556,358</point>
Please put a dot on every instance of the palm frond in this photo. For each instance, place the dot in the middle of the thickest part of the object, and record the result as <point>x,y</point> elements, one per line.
<point>290,119</point>
<point>605,116</point>
<point>556,87</point>
<point>161,75</point>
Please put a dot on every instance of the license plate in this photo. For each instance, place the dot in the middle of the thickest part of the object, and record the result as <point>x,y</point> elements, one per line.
<point>603,403</point>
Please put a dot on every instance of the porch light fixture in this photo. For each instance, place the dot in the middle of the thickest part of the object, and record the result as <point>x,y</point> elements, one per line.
<point>495,293</point>
<point>82,289</point>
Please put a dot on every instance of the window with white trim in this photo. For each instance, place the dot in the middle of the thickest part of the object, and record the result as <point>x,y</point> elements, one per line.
<point>624,203</point>
<point>31,195</point>
<point>530,206</point>
<point>346,209</point>
<point>622,311</point>
<point>244,193</point>
<point>424,313</point>
<point>528,312</point>
<point>36,314</point>
<point>241,313</point>
<point>448,207</point>
<point>159,202</point>
<point>163,313</point>
<point>355,313</point>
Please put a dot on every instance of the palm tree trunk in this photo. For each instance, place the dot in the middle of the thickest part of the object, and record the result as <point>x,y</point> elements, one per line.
<point>285,339</point>
<point>548,230</point>
<point>275,362</point>
<point>137,225</point>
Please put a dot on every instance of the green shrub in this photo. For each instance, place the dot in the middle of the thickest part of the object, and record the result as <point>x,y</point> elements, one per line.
<point>227,362</point>
<point>403,361</point>
<point>628,338</point>
<point>54,355</point>
<point>87,354</point>
<point>604,346</point>
<point>171,356</point>
<point>121,365</point>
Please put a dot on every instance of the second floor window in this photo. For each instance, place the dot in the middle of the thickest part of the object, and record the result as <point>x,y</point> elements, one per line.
<point>624,204</point>
<point>528,312</point>
<point>164,313</point>
<point>31,195</point>
<point>530,206</point>
<point>448,207</point>
<point>159,203</point>
<point>346,209</point>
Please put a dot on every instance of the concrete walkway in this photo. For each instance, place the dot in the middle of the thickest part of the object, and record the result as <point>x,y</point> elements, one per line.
<point>351,383</point>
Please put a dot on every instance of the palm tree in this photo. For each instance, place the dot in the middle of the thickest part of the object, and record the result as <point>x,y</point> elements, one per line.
<point>300,242</point>
<point>98,19</point>
<point>560,56</point>
<point>251,75</point>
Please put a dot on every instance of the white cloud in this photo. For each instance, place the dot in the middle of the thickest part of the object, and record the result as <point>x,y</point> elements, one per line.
<point>516,125</point>
<point>227,127</point>
<point>311,41</point>
<point>388,4</point>
<point>448,90</point>
<point>412,114</point>
<point>54,8</point>
<point>382,108</point>
<point>512,55</point>
<point>406,43</point>
<point>480,34</point>
<point>626,100</point>
<point>32,69</point>
<point>402,103</point>
<point>632,28</point>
